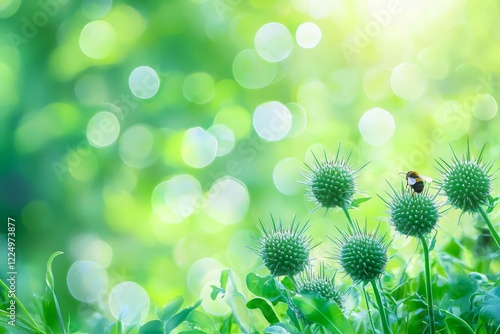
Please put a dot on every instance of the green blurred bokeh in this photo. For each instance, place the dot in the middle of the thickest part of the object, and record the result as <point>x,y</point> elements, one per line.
<point>150,137</point>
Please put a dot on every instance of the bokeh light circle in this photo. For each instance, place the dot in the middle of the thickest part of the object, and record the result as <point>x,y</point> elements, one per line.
<point>175,199</point>
<point>136,146</point>
<point>308,35</point>
<point>285,176</point>
<point>228,201</point>
<point>434,62</point>
<point>94,9</point>
<point>199,88</point>
<point>217,307</point>
<point>408,82</point>
<point>225,138</point>
<point>198,147</point>
<point>98,39</point>
<point>377,126</point>
<point>9,8</point>
<point>485,107</point>
<point>272,120</point>
<point>103,129</point>
<point>87,281</point>
<point>251,71</point>
<point>273,42</point>
<point>201,272</point>
<point>129,302</point>
<point>299,119</point>
<point>144,82</point>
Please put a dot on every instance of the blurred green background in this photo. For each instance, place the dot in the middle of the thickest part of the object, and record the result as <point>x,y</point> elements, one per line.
<point>146,139</point>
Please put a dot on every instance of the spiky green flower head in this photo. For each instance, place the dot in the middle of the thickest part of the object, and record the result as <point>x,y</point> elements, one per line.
<point>331,183</point>
<point>284,251</point>
<point>466,181</point>
<point>321,286</point>
<point>362,255</point>
<point>413,214</point>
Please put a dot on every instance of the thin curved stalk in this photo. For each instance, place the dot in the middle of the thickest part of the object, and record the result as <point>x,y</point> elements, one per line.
<point>486,219</point>
<point>368,308</point>
<point>428,285</point>
<point>381,308</point>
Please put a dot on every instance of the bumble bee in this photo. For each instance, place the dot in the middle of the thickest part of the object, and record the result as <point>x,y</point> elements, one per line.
<point>416,181</point>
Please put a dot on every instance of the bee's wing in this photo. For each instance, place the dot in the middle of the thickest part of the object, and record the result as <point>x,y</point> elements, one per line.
<point>426,178</point>
<point>411,181</point>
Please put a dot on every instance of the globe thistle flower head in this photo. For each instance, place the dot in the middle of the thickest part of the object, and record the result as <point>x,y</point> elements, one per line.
<point>321,286</point>
<point>362,255</point>
<point>331,182</point>
<point>465,181</point>
<point>284,251</point>
<point>412,214</point>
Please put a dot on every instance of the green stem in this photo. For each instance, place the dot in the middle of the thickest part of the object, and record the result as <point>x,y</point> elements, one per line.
<point>21,306</point>
<point>381,308</point>
<point>368,308</point>
<point>428,283</point>
<point>494,233</point>
<point>300,319</point>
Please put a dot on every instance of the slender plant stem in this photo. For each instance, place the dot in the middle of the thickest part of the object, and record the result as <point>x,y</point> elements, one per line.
<point>300,319</point>
<point>21,306</point>
<point>368,308</point>
<point>428,283</point>
<point>381,308</point>
<point>494,233</point>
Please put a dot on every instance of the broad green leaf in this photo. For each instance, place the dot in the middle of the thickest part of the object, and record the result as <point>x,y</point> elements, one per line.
<point>325,313</point>
<point>456,324</point>
<point>265,308</point>
<point>172,307</point>
<point>193,331</point>
<point>180,317</point>
<point>357,201</point>
<point>152,327</point>
<point>266,287</point>
<point>202,321</point>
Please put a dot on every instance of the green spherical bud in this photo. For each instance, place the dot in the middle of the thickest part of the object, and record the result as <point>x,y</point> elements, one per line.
<point>413,214</point>
<point>363,256</point>
<point>321,287</point>
<point>467,185</point>
<point>284,251</point>
<point>331,183</point>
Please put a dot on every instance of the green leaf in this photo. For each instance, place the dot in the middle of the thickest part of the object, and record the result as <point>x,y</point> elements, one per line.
<point>224,275</point>
<point>492,203</point>
<point>180,317</point>
<point>357,201</point>
<point>216,291</point>
<point>202,321</point>
<point>266,287</point>
<point>172,307</point>
<point>265,308</point>
<point>152,327</point>
<point>456,324</point>
<point>49,277</point>
<point>53,303</point>
<point>193,331</point>
<point>325,313</point>
<point>115,328</point>
<point>276,330</point>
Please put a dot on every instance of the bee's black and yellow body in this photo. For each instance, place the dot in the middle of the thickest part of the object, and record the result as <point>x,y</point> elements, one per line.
<point>414,180</point>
